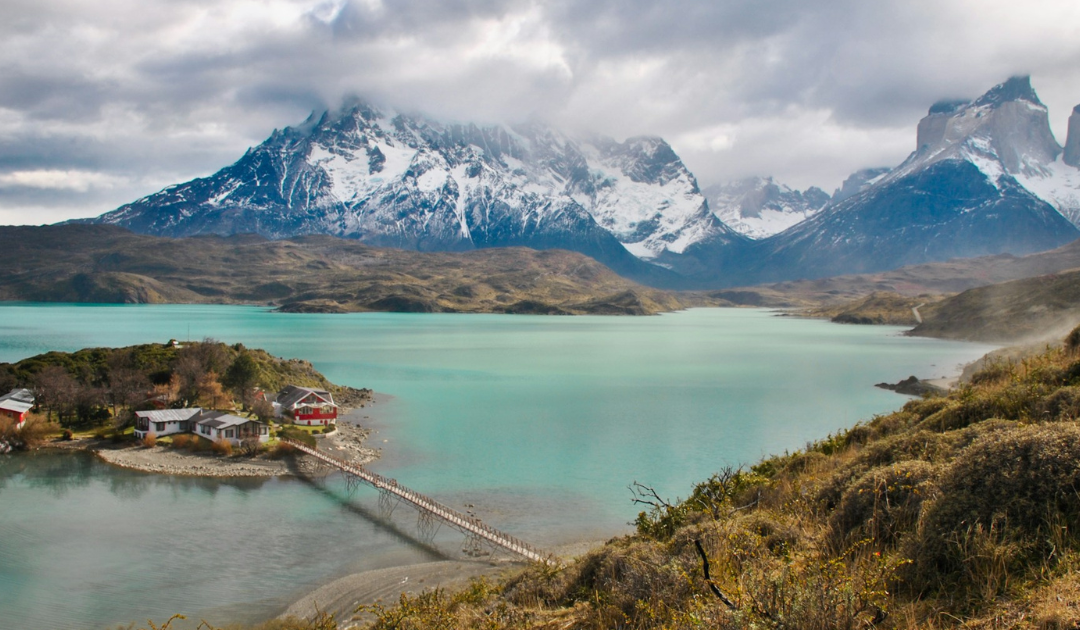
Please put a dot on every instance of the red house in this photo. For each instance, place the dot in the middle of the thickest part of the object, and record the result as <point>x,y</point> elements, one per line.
<point>305,405</point>
<point>16,404</point>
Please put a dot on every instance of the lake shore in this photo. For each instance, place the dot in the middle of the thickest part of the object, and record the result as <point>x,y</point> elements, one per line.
<point>343,596</point>
<point>348,442</point>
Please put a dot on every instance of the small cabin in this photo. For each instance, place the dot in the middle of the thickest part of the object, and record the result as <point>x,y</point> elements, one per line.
<point>16,404</point>
<point>306,405</point>
<point>218,425</point>
<point>212,425</point>
<point>163,422</point>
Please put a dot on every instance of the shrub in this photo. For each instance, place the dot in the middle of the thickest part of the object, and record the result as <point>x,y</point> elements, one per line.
<point>149,440</point>
<point>182,440</point>
<point>1072,341</point>
<point>1009,487</point>
<point>881,505</point>
<point>222,447</point>
<point>282,449</point>
<point>330,428</point>
<point>299,435</point>
<point>67,435</point>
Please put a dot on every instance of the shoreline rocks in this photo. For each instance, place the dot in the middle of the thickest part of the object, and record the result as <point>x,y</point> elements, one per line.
<point>912,386</point>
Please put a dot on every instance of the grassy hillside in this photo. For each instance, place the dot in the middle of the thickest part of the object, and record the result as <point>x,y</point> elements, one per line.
<point>1032,308</point>
<point>877,308</point>
<point>93,263</point>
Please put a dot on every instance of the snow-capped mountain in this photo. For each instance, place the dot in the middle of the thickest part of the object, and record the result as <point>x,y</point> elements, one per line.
<point>759,207</point>
<point>408,181</point>
<point>1006,134</point>
<point>986,178</point>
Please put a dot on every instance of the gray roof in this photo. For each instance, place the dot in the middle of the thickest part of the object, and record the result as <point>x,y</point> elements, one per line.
<point>293,394</point>
<point>21,395</point>
<point>169,415</point>
<point>17,406</point>
<point>222,420</point>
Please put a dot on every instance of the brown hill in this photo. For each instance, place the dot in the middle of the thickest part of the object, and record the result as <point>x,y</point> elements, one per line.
<point>1030,309</point>
<point>948,277</point>
<point>96,263</point>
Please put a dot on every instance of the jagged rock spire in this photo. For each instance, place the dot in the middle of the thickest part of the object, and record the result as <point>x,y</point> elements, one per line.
<point>1072,143</point>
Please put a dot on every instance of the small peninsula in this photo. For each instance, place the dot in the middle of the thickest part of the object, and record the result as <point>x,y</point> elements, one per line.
<point>116,402</point>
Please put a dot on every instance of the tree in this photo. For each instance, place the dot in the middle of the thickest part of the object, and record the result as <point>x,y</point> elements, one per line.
<point>263,409</point>
<point>127,388</point>
<point>55,390</point>
<point>211,394</point>
<point>167,393</point>
<point>242,377</point>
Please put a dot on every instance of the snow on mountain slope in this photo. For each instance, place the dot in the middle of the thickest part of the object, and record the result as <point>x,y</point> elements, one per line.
<point>1057,184</point>
<point>978,183</point>
<point>408,181</point>
<point>1005,133</point>
<point>758,207</point>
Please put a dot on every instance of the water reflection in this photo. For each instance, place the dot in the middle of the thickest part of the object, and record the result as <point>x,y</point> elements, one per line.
<point>402,535</point>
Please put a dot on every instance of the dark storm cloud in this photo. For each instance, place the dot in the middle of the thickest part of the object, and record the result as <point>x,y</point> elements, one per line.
<point>113,101</point>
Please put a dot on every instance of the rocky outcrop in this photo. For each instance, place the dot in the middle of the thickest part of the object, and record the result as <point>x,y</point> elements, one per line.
<point>912,386</point>
<point>1072,143</point>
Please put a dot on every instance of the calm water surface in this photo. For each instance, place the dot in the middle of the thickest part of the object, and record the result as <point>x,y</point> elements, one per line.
<point>540,422</point>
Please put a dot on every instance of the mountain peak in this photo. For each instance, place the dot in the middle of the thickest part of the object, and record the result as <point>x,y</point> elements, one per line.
<point>1015,89</point>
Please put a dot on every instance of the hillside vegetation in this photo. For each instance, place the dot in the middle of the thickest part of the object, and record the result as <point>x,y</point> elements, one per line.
<point>107,264</point>
<point>100,386</point>
<point>877,308</point>
<point>1031,308</point>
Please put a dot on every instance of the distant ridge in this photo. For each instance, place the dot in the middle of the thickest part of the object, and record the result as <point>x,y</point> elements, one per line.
<point>109,264</point>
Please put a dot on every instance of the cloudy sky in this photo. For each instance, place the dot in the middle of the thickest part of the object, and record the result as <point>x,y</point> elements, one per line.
<point>103,102</point>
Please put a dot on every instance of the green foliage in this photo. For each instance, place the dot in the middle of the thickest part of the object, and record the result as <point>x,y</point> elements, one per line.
<point>298,435</point>
<point>713,498</point>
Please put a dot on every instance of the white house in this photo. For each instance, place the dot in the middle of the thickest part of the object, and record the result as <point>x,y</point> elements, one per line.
<point>218,425</point>
<point>212,425</point>
<point>162,422</point>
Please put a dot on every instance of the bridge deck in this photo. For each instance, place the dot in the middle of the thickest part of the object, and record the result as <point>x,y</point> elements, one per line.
<point>449,515</point>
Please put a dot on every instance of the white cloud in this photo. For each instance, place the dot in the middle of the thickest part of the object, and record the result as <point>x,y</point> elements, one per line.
<point>79,181</point>
<point>116,100</point>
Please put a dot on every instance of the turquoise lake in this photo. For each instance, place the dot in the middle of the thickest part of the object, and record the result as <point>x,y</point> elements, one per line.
<point>539,422</point>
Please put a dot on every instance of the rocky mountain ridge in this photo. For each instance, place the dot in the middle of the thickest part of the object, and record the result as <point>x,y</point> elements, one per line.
<point>987,177</point>
<point>975,185</point>
<point>401,180</point>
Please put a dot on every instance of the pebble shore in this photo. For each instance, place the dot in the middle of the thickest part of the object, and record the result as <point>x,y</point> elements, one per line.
<point>347,443</point>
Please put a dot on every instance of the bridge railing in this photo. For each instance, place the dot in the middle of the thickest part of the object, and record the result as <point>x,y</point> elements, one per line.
<point>462,521</point>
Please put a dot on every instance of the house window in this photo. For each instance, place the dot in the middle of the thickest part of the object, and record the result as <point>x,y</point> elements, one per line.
<point>228,433</point>
<point>159,426</point>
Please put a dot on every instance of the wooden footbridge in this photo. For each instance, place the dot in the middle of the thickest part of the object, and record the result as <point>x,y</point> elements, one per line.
<point>472,527</point>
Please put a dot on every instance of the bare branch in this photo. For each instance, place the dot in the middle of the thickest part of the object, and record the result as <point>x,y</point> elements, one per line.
<point>708,580</point>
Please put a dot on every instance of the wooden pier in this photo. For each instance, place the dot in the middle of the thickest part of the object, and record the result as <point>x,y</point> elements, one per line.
<point>468,525</point>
